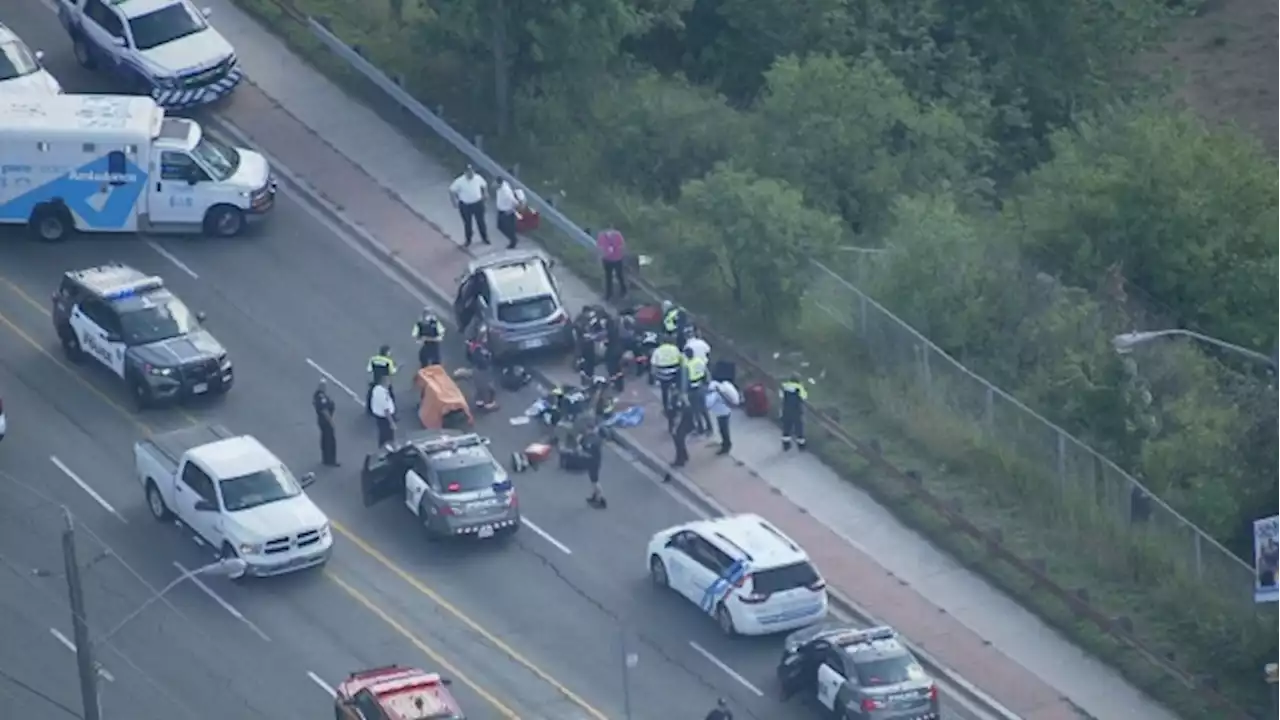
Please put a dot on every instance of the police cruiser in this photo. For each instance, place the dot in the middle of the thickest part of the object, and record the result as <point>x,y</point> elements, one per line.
<point>162,48</point>
<point>129,322</point>
<point>857,674</point>
<point>21,70</point>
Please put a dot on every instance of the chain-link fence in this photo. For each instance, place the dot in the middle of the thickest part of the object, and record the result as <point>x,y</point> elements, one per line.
<point>892,348</point>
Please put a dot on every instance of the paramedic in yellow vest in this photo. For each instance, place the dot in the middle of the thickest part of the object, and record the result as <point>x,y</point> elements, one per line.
<point>675,322</point>
<point>380,365</point>
<point>695,377</point>
<point>794,396</point>
<point>666,364</point>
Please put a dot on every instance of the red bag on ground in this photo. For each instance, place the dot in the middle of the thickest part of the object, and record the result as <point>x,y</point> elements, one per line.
<point>755,400</point>
<point>527,220</point>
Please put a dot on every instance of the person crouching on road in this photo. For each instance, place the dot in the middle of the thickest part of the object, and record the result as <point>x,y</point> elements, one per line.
<point>794,394</point>
<point>467,192</point>
<point>429,332</point>
<point>383,407</point>
<point>380,365</point>
<point>722,397</point>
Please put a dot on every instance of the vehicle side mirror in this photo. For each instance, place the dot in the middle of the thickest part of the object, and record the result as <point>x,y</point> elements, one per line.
<point>446,681</point>
<point>39,55</point>
<point>307,480</point>
<point>117,41</point>
<point>205,506</point>
<point>206,11</point>
<point>671,541</point>
<point>200,316</point>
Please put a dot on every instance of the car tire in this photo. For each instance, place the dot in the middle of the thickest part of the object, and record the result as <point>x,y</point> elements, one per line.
<point>50,223</point>
<point>84,56</point>
<point>428,528</point>
<point>142,399</point>
<point>725,620</point>
<point>155,503</point>
<point>658,573</point>
<point>71,346</point>
<point>224,221</point>
<point>226,553</point>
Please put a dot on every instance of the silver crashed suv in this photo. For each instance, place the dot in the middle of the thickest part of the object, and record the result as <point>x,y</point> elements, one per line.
<point>512,299</point>
<point>450,481</point>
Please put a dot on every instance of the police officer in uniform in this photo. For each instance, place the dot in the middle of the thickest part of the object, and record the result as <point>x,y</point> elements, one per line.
<point>380,365</point>
<point>794,395</point>
<point>429,332</point>
<point>695,375</point>
<point>665,366</point>
<point>325,408</point>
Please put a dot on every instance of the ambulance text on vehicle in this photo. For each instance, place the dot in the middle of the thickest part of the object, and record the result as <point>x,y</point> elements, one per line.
<point>162,48</point>
<point>106,163</point>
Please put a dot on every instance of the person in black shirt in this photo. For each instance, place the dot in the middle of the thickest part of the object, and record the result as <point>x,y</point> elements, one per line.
<point>324,408</point>
<point>593,444</point>
<point>721,711</point>
<point>682,427</point>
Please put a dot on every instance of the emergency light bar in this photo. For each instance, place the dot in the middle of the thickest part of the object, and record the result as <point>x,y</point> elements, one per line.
<point>867,635</point>
<point>138,287</point>
<point>452,442</point>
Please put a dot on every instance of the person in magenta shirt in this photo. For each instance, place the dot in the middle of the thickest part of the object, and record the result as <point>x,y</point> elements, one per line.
<point>613,251</point>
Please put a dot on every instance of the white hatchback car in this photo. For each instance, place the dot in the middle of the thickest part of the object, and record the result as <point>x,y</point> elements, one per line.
<point>20,68</point>
<point>741,570</point>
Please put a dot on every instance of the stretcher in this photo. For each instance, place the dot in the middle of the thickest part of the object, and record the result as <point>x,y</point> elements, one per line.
<point>441,404</point>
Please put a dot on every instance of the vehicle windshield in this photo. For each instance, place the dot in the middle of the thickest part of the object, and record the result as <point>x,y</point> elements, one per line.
<point>525,311</point>
<point>16,61</point>
<point>155,317</point>
<point>888,671</point>
<point>166,25</point>
<point>466,479</point>
<point>781,579</point>
<point>221,159</point>
<point>259,488</point>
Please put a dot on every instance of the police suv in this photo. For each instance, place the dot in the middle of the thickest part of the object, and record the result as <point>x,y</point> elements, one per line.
<point>857,674</point>
<point>129,322</point>
<point>162,48</point>
<point>451,482</point>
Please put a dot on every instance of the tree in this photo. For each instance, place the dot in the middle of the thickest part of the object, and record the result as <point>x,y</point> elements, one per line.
<point>748,240</point>
<point>1187,215</point>
<point>521,41</point>
<point>850,135</point>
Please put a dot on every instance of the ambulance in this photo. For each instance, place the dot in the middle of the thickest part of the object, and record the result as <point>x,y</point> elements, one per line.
<point>118,164</point>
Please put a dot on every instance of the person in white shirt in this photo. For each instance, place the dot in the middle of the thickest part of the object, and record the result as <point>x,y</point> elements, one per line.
<point>508,200</point>
<point>701,348</point>
<point>722,397</point>
<point>467,193</point>
<point>383,409</point>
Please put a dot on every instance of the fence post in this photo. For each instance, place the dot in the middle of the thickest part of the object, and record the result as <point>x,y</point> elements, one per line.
<point>1199,554</point>
<point>924,367</point>
<point>989,408</point>
<point>862,314</point>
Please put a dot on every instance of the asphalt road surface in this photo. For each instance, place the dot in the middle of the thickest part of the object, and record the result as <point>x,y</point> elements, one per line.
<point>535,628</point>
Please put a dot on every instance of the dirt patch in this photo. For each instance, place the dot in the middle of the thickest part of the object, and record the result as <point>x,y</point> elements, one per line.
<point>1224,61</point>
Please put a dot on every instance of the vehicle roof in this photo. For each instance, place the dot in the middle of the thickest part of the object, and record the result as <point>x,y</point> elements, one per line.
<point>50,115</point>
<point>114,281</point>
<point>447,451</point>
<point>405,693</point>
<point>864,644</point>
<point>131,9</point>
<point>752,538</point>
<point>517,275</point>
<point>234,457</point>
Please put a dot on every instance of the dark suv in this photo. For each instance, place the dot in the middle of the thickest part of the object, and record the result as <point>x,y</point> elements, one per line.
<point>130,323</point>
<point>513,300</point>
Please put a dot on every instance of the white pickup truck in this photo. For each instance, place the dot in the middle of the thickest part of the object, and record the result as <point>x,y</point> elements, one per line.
<point>236,496</point>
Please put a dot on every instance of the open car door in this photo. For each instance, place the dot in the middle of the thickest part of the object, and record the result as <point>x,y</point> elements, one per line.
<point>464,304</point>
<point>381,477</point>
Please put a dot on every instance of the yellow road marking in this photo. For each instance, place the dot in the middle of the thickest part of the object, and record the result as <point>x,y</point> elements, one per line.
<point>26,297</point>
<point>359,542</point>
<point>439,659</point>
<point>435,597</point>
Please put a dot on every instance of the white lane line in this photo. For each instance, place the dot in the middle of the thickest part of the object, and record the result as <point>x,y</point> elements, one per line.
<point>172,258</point>
<point>546,536</point>
<point>66,642</point>
<point>329,376</point>
<point>85,487</point>
<point>323,685</point>
<point>728,670</point>
<point>225,605</point>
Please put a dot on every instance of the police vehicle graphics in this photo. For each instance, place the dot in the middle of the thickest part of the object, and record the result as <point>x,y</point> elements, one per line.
<point>101,194</point>
<point>193,363</point>
<point>164,48</point>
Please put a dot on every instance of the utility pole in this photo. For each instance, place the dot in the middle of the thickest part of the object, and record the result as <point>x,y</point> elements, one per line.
<point>84,646</point>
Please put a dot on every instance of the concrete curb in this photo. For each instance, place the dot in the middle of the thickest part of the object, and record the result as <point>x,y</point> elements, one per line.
<point>970,693</point>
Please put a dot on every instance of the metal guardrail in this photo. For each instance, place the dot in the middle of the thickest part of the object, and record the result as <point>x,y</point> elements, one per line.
<point>865,307</point>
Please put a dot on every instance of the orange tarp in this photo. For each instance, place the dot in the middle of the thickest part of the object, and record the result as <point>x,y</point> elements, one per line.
<point>440,396</point>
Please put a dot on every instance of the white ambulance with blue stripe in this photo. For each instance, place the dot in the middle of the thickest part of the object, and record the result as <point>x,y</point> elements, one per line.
<point>741,570</point>
<point>117,163</point>
<point>162,48</point>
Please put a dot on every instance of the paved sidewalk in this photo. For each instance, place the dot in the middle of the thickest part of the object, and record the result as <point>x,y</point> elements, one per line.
<point>381,182</point>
